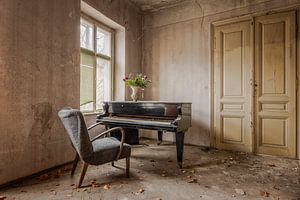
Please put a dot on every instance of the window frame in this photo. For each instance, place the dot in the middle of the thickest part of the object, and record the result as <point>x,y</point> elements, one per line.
<point>96,24</point>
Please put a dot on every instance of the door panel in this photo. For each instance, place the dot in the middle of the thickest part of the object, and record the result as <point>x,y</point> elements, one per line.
<point>275,99</point>
<point>232,89</point>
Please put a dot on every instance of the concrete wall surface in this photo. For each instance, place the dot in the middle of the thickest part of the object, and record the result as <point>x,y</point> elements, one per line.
<point>177,54</point>
<point>40,74</point>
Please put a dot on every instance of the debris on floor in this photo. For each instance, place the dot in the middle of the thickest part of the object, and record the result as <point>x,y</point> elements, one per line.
<point>207,174</point>
<point>240,191</point>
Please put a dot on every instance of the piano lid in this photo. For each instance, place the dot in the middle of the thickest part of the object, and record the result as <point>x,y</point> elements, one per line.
<point>146,108</point>
<point>149,102</point>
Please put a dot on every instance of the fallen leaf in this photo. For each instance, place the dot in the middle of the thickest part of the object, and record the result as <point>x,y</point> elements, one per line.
<point>271,165</point>
<point>141,190</point>
<point>194,180</point>
<point>240,191</point>
<point>96,185</point>
<point>193,171</point>
<point>163,173</point>
<point>226,173</point>
<point>2,197</point>
<point>295,168</point>
<point>106,187</point>
<point>264,194</point>
<point>73,184</point>
<point>276,187</point>
<point>152,160</point>
<point>43,177</point>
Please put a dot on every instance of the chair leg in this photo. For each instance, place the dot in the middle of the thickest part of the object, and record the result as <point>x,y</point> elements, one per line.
<point>113,163</point>
<point>85,166</point>
<point>75,162</point>
<point>127,166</point>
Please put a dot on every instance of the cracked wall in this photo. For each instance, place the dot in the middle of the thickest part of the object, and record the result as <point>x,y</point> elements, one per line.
<point>177,54</point>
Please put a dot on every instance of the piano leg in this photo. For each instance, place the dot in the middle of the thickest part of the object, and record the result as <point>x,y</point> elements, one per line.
<point>159,135</point>
<point>179,147</point>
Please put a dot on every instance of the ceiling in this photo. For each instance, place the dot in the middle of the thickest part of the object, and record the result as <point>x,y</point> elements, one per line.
<point>154,5</point>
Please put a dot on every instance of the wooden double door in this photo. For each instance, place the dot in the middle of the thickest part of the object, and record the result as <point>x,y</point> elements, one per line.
<point>255,85</point>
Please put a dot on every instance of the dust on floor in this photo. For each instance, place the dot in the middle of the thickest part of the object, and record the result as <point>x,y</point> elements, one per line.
<point>207,174</point>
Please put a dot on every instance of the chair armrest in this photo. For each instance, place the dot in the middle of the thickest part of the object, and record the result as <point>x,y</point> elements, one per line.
<point>94,125</point>
<point>110,130</point>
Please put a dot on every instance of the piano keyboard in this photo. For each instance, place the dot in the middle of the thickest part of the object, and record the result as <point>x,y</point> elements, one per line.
<point>137,121</point>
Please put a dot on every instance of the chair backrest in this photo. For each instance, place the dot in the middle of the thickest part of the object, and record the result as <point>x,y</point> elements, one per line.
<point>74,123</point>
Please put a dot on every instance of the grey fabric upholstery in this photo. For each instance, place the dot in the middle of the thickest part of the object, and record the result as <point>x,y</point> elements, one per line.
<point>107,149</point>
<point>98,152</point>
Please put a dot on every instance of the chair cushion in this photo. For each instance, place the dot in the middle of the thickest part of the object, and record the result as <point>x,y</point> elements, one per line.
<point>106,150</point>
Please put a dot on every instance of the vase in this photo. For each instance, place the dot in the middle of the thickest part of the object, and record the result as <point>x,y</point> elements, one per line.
<point>134,94</point>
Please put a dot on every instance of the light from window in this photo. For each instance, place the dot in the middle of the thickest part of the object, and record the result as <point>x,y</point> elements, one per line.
<point>103,42</point>
<point>95,66</point>
<point>86,35</point>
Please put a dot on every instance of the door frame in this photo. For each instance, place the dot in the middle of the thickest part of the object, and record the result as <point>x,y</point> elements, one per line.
<point>212,82</point>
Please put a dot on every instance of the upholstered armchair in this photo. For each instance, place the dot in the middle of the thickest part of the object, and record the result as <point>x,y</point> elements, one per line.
<point>96,151</point>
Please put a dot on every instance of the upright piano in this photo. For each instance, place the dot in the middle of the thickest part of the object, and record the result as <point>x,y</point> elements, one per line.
<point>153,115</point>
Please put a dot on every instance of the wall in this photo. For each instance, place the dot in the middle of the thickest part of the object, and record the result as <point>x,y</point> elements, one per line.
<point>176,54</point>
<point>39,73</point>
<point>39,56</point>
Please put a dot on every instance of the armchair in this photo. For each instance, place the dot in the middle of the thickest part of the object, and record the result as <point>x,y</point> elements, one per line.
<point>95,151</point>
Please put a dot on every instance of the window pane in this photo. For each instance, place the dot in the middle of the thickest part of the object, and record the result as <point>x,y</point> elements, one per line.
<point>103,82</point>
<point>103,42</point>
<point>86,35</point>
<point>86,82</point>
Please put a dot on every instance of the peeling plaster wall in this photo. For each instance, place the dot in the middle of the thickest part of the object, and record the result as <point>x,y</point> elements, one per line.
<point>39,73</point>
<point>176,54</point>
<point>127,15</point>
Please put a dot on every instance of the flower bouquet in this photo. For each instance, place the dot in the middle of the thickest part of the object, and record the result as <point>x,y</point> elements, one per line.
<point>136,83</point>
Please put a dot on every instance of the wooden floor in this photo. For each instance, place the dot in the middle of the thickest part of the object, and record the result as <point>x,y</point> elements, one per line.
<point>208,174</point>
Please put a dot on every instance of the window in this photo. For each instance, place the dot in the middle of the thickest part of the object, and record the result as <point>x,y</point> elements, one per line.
<point>95,65</point>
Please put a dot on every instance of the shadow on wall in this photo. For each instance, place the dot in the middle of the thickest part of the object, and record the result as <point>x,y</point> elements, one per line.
<point>36,150</point>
